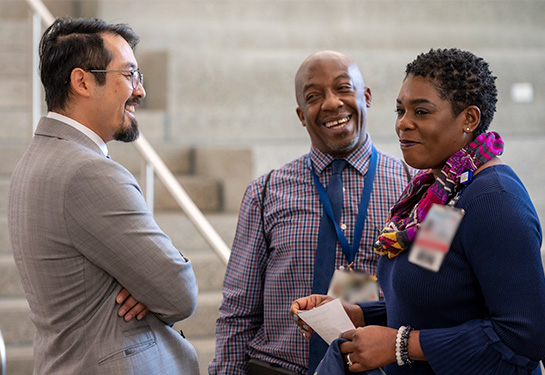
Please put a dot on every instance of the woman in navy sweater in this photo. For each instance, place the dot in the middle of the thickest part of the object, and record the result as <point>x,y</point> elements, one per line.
<point>477,308</point>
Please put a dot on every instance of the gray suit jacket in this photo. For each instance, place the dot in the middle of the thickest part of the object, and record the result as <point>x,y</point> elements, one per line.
<point>80,230</point>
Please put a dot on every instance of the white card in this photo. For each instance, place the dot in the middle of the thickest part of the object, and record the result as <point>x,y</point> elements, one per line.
<point>434,237</point>
<point>328,320</point>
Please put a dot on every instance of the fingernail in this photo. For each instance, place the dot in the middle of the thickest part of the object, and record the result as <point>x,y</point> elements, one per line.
<point>128,317</point>
<point>295,317</point>
<point>303,334</point>
<point>121,312</point>
<point>305,327</point>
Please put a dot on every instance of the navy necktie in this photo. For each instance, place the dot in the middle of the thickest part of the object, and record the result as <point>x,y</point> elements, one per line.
<point>324,264</point>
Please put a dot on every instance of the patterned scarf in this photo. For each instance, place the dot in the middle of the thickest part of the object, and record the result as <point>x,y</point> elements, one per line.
<point>424,190</point>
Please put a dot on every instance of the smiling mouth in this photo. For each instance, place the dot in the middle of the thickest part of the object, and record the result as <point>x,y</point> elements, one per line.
<point>337,123</point>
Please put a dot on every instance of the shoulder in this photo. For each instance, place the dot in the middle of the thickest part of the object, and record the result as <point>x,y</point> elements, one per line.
<point>394,168</point>
<point>497,189</point>
<point>496,179</point>
<point>96,176</point>
<point>287,172</point>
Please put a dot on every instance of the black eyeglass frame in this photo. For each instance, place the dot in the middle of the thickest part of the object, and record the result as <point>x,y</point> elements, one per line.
<point>137,78</point>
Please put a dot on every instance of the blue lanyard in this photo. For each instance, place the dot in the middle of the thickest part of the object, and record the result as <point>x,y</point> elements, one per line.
<point>350,253</point>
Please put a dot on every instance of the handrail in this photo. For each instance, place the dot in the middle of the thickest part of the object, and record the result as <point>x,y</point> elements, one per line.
<point>152,160</point>
<point>2,355</point>
<point>181,197</point>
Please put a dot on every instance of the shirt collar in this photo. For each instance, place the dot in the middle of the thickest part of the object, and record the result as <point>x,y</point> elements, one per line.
<point>82,128</point>
<point>359,159</point>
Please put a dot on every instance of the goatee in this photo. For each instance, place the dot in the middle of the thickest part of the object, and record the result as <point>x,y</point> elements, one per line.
<point>129,134</point>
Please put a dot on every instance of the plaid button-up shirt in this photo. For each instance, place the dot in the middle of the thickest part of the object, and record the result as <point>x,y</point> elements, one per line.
<point>260,284</point>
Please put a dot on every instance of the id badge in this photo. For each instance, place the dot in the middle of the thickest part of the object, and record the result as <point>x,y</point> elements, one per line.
<point>434,237</point>
<point>352,286</point>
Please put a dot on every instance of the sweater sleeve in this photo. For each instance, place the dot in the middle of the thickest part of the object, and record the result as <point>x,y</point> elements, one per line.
<point>501,238</point>
<point>374,313</point>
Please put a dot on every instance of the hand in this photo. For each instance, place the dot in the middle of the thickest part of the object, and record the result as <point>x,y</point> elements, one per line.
<point>369,347</point>
<point>130,307</point>
<point>306,303</point>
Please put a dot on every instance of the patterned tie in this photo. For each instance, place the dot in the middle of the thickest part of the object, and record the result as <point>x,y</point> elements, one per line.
<point>324,264</point>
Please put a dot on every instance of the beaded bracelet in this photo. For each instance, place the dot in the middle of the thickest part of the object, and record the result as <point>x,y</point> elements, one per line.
<point>400,332</point>
<point>402,346</point>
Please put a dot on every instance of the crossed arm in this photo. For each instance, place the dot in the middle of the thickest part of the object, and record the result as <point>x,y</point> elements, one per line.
<point>130,307</point>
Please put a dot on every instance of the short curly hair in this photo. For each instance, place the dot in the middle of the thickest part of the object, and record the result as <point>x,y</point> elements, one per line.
<point>461,78</point>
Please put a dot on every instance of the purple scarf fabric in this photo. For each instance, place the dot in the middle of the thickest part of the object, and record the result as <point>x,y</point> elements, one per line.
<point>424,190</point>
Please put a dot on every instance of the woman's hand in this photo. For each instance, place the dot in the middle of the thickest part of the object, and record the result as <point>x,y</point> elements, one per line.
<point>306,303</point>
<point>375,346</point>
<point>369,347</point>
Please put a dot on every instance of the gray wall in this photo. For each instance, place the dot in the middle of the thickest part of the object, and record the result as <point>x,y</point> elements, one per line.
<point>228,66</point>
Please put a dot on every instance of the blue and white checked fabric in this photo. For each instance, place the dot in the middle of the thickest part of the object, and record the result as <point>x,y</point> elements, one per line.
<point>260,286</point>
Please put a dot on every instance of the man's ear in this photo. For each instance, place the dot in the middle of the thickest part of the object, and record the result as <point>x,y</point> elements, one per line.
<point>301,116</point>
<point>368,96</point>
<point>81,82</point>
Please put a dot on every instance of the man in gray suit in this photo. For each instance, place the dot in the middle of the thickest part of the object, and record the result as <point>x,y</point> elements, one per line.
<point>80,228</point>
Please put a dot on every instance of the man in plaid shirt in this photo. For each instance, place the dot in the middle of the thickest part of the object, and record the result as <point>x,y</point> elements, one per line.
<point>272,260</point>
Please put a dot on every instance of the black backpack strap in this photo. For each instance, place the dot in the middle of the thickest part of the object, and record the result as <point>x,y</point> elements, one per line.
<point>262,206</point>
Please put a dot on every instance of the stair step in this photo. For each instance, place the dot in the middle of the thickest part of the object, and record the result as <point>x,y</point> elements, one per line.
<point>205,351</point>
<point>12,153</point>
<point>15,35</point>
<point>209,271</point>
<point>177,158</point>
<point>14,93</point>
<point>16,63</point>
<point>5,245</point>
<point>204,191</point>
<point>15,132</point>
<point>19,359</point>
<point>15,323</point>
<point>10,283</point>
<point>184,235</point>
<point>202,323</point>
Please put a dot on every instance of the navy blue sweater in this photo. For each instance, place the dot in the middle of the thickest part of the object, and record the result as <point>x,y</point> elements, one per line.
<point>483,312</point>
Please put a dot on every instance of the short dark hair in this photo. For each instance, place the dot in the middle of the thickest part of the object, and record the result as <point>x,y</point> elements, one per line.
<point>71,43</point>
<point>461,78</point>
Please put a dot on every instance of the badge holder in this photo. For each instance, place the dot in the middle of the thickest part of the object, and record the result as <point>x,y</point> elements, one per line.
<point>435,236</point>
<point>353,286</point>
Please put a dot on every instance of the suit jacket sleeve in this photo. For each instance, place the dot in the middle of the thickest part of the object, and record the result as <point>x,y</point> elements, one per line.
<point>111,226</point>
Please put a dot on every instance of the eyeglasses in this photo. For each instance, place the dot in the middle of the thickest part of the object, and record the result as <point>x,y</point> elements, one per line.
<point>136,76</point>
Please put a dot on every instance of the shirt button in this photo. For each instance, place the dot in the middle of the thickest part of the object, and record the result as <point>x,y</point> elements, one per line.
<point>343,226</point>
